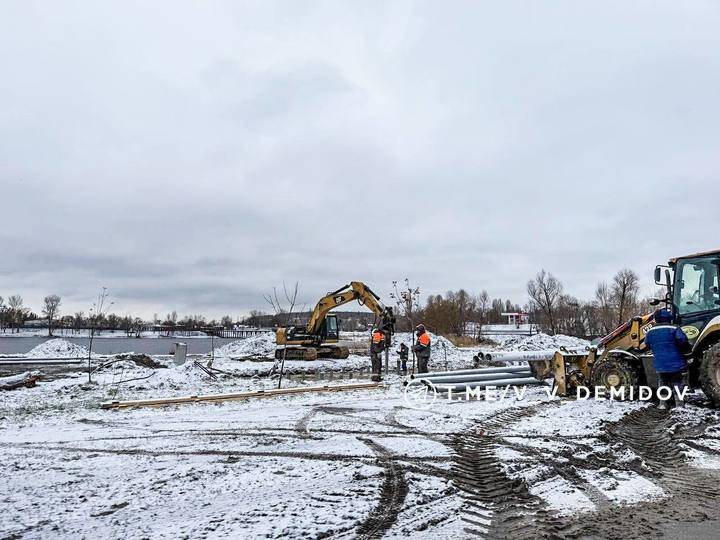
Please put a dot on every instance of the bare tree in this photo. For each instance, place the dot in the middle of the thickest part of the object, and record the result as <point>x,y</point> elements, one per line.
<point>51,309</point>
<point>625,290</point>
<point>283,307</point>
<point>407,301</point>
<point>17,311</point>
<point>78,321</point>
<point>545,292</point>
<point>97,315</point>
<point>606,310</point>
<point>494,315</point>
<point>137,326</point>
<point>483,305</point>
<point>226,322</point>
<point>571,316</point>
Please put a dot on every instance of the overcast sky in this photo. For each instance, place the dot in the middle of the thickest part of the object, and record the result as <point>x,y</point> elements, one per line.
<point>191,155</point>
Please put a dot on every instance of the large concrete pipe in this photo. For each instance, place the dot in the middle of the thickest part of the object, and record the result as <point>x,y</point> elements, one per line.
<point>462,378</point>
<point>502,369</point>
<point>459,388</point>
<point>519,356</point>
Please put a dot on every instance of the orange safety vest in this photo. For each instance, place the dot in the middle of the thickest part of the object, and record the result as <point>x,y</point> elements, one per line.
<point>377,337</point>
<point>424,339</point>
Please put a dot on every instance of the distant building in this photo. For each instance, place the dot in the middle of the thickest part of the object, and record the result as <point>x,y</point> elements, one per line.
<point>518,323</point>
<point>517,318</point>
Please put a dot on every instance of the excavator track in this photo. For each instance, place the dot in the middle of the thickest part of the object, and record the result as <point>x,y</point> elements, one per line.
<point>337,352</point>
<point>312,353</point>
<point>296,353</point>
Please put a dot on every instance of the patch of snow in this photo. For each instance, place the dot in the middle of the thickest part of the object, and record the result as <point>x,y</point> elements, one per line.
<point>261,345</point>
<point>58,348</point>
<point>562,497</point>
<point>542,342</point>
<point>702,460</point>
<point>622,486</point>
<point>574,417</point>
<point>540,444</point>
<point>505,454</point>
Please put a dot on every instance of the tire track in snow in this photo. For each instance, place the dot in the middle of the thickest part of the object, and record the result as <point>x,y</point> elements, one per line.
<point>393,492</point>
<point>497,506</point>
<point>693,493</point>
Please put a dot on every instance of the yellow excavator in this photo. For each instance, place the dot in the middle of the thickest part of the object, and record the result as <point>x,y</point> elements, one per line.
<point>320,337</point>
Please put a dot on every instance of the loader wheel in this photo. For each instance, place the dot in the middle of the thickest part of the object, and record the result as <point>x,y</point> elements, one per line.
<point>615,373</point>
<point>710,374</point>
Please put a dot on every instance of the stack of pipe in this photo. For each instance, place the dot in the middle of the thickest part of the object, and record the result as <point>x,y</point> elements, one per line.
<point>524,356</point>
<point>461,380</point>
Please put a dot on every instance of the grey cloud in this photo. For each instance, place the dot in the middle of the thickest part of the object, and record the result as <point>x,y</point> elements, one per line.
<point>191,158</point>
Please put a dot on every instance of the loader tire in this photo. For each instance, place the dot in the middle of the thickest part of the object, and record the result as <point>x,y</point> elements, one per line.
<point>615,373</point>
<point>710,373</point>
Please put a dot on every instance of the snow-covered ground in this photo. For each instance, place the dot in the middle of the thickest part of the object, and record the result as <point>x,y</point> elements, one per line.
<point>340,465</point>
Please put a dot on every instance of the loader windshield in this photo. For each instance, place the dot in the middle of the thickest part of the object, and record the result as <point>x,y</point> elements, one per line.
<point>696,287</point>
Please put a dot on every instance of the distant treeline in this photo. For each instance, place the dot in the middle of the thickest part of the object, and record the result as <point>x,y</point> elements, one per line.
<point>547,305</point>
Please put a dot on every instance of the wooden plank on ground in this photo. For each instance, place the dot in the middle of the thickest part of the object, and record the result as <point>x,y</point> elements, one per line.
<point>236,396</point>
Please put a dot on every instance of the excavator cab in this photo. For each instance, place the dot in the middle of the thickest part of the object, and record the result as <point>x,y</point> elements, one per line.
<point>330,328</point>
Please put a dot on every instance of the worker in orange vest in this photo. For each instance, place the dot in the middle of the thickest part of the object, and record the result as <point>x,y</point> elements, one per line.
<point>377,346</point>
<point>422,348</point>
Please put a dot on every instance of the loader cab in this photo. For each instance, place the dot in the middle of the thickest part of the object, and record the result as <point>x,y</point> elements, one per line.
<point>695,291</point>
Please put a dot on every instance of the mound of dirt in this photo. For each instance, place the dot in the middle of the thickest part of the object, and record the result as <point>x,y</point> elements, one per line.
<point>142,360</point>
<point>58,348</point>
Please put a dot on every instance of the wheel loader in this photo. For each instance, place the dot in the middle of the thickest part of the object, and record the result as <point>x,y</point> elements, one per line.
<point>622,360</point>
<point>320,337</point>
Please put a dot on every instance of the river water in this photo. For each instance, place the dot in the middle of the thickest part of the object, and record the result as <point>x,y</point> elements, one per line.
<point>115,345</point>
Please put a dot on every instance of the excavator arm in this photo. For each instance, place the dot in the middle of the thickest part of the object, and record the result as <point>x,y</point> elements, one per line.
<point>314,341</point>
<point>356,290</point>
